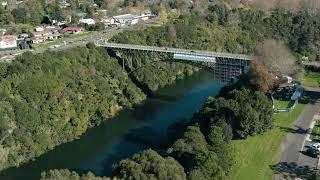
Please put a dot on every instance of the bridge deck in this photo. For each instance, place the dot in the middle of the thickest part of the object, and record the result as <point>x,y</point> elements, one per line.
<point>177,51</point>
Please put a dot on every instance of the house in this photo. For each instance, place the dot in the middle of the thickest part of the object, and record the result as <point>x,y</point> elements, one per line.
<point>23,36</point>
<point>88,21</point>
<point>4,3</point>
<point>64,4</point>
<point>101,12</point>
<point>129,19</point>
<point>73,30</point>
<point>41,34</point>
<point>125,19</point>
<point>8,42</point>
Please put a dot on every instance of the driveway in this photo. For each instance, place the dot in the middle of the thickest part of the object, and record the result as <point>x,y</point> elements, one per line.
<point>294,163</point>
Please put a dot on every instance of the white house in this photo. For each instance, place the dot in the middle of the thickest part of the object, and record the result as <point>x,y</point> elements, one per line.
<point>4,3</point>
<point>124,19</point>
<point>88,21</point>
<point>8,42</point>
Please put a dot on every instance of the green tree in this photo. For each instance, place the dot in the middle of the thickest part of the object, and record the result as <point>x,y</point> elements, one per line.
<point>19,15</point>
<point>149,165</point>
<point>35,11</point>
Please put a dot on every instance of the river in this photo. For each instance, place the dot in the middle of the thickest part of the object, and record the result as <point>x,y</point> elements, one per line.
<point>131,131</point>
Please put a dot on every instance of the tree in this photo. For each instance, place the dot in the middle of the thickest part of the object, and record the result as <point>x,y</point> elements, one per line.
<point>188,147</point>
<point>277,57</point>
<point>55,12</point>
<point>35,11</point>
<point>7,121</point>
<point>260,77</point>
<point>19,15</point>
<point>3,16</point>
<point>149,165</point>
<point>65,174</point>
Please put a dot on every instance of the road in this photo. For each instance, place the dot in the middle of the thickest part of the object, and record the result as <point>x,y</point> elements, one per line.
<point>294,163</point>
<point>81,41</point>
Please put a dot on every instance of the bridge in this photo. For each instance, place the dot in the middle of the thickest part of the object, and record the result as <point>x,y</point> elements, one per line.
<point>226,66</point>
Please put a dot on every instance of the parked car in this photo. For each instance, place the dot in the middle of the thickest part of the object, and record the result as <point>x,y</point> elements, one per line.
<point>313,152</point>
<point>315,145</point>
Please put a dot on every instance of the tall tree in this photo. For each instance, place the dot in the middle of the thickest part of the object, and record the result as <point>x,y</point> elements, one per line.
<point>149,165</point>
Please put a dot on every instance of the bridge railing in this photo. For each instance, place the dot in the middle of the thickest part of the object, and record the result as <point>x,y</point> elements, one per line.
<point>176,50</point>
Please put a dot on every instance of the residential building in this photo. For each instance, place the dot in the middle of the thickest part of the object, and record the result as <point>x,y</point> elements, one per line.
<point>129,19</point>
<point>4,3</point>
<point>124,19</point>
<point>8,42</point>
<point>64,4</point>
<point>73,30</point>
<point>88,21</point>
<point>41,34</point>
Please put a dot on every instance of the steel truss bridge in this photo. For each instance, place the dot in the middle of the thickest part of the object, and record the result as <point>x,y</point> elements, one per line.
<point>226,66</point>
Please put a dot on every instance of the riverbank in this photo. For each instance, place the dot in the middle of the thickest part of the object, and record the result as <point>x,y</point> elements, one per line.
<point>120,137</point>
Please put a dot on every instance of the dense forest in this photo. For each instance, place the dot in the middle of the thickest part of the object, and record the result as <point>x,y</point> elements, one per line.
<point>51,98</point>
<point>237,30</point>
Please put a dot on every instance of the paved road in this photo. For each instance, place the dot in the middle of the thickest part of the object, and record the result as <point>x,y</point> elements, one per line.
<point>294,163</point>
<point>81,41</point>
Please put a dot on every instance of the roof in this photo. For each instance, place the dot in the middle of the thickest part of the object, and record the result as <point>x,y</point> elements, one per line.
<point>8,38</point>
<point>72,29</point>
<point>125,16</point>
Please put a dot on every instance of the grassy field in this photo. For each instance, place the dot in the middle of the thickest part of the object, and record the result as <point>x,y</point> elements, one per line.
<point>282,104</point>
<point>311,79</point>
<point>255,154</point>
<point>316,131</point>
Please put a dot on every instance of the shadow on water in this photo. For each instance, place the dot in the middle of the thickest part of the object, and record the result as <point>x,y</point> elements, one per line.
<point>130,132</point>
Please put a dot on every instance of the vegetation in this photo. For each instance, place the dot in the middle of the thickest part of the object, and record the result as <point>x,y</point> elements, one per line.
<point>65,174</point>
<point>311,79</point>
<point>51,98</point>
<point>282,104</point>
<point>149,165</point>
<point>222,29</point>
<point>154,70</point>
<point>316,131</point>
<point>254,155</point>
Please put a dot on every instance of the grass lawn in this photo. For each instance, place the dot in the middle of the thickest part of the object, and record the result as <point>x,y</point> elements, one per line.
<point>311,79</point>
<point>282,104</point>
<point>316,131</point>
<point>255,154</point>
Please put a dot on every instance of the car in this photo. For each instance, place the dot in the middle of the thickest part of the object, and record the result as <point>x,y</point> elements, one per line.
<point>315,145</point>
<point>313,152</point>
<point>192,51</point>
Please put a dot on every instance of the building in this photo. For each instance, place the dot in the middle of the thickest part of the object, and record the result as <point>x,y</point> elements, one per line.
<point>129,19</point>
<point>8,42</point>
<point>125,19</point>
<point>88,21</point>
<point>42,34</point>
<point>4,3</point>
<point>73,30</point>
<point>64,4</point>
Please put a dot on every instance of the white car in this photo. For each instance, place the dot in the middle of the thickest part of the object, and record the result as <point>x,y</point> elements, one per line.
<point>316,145</point>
